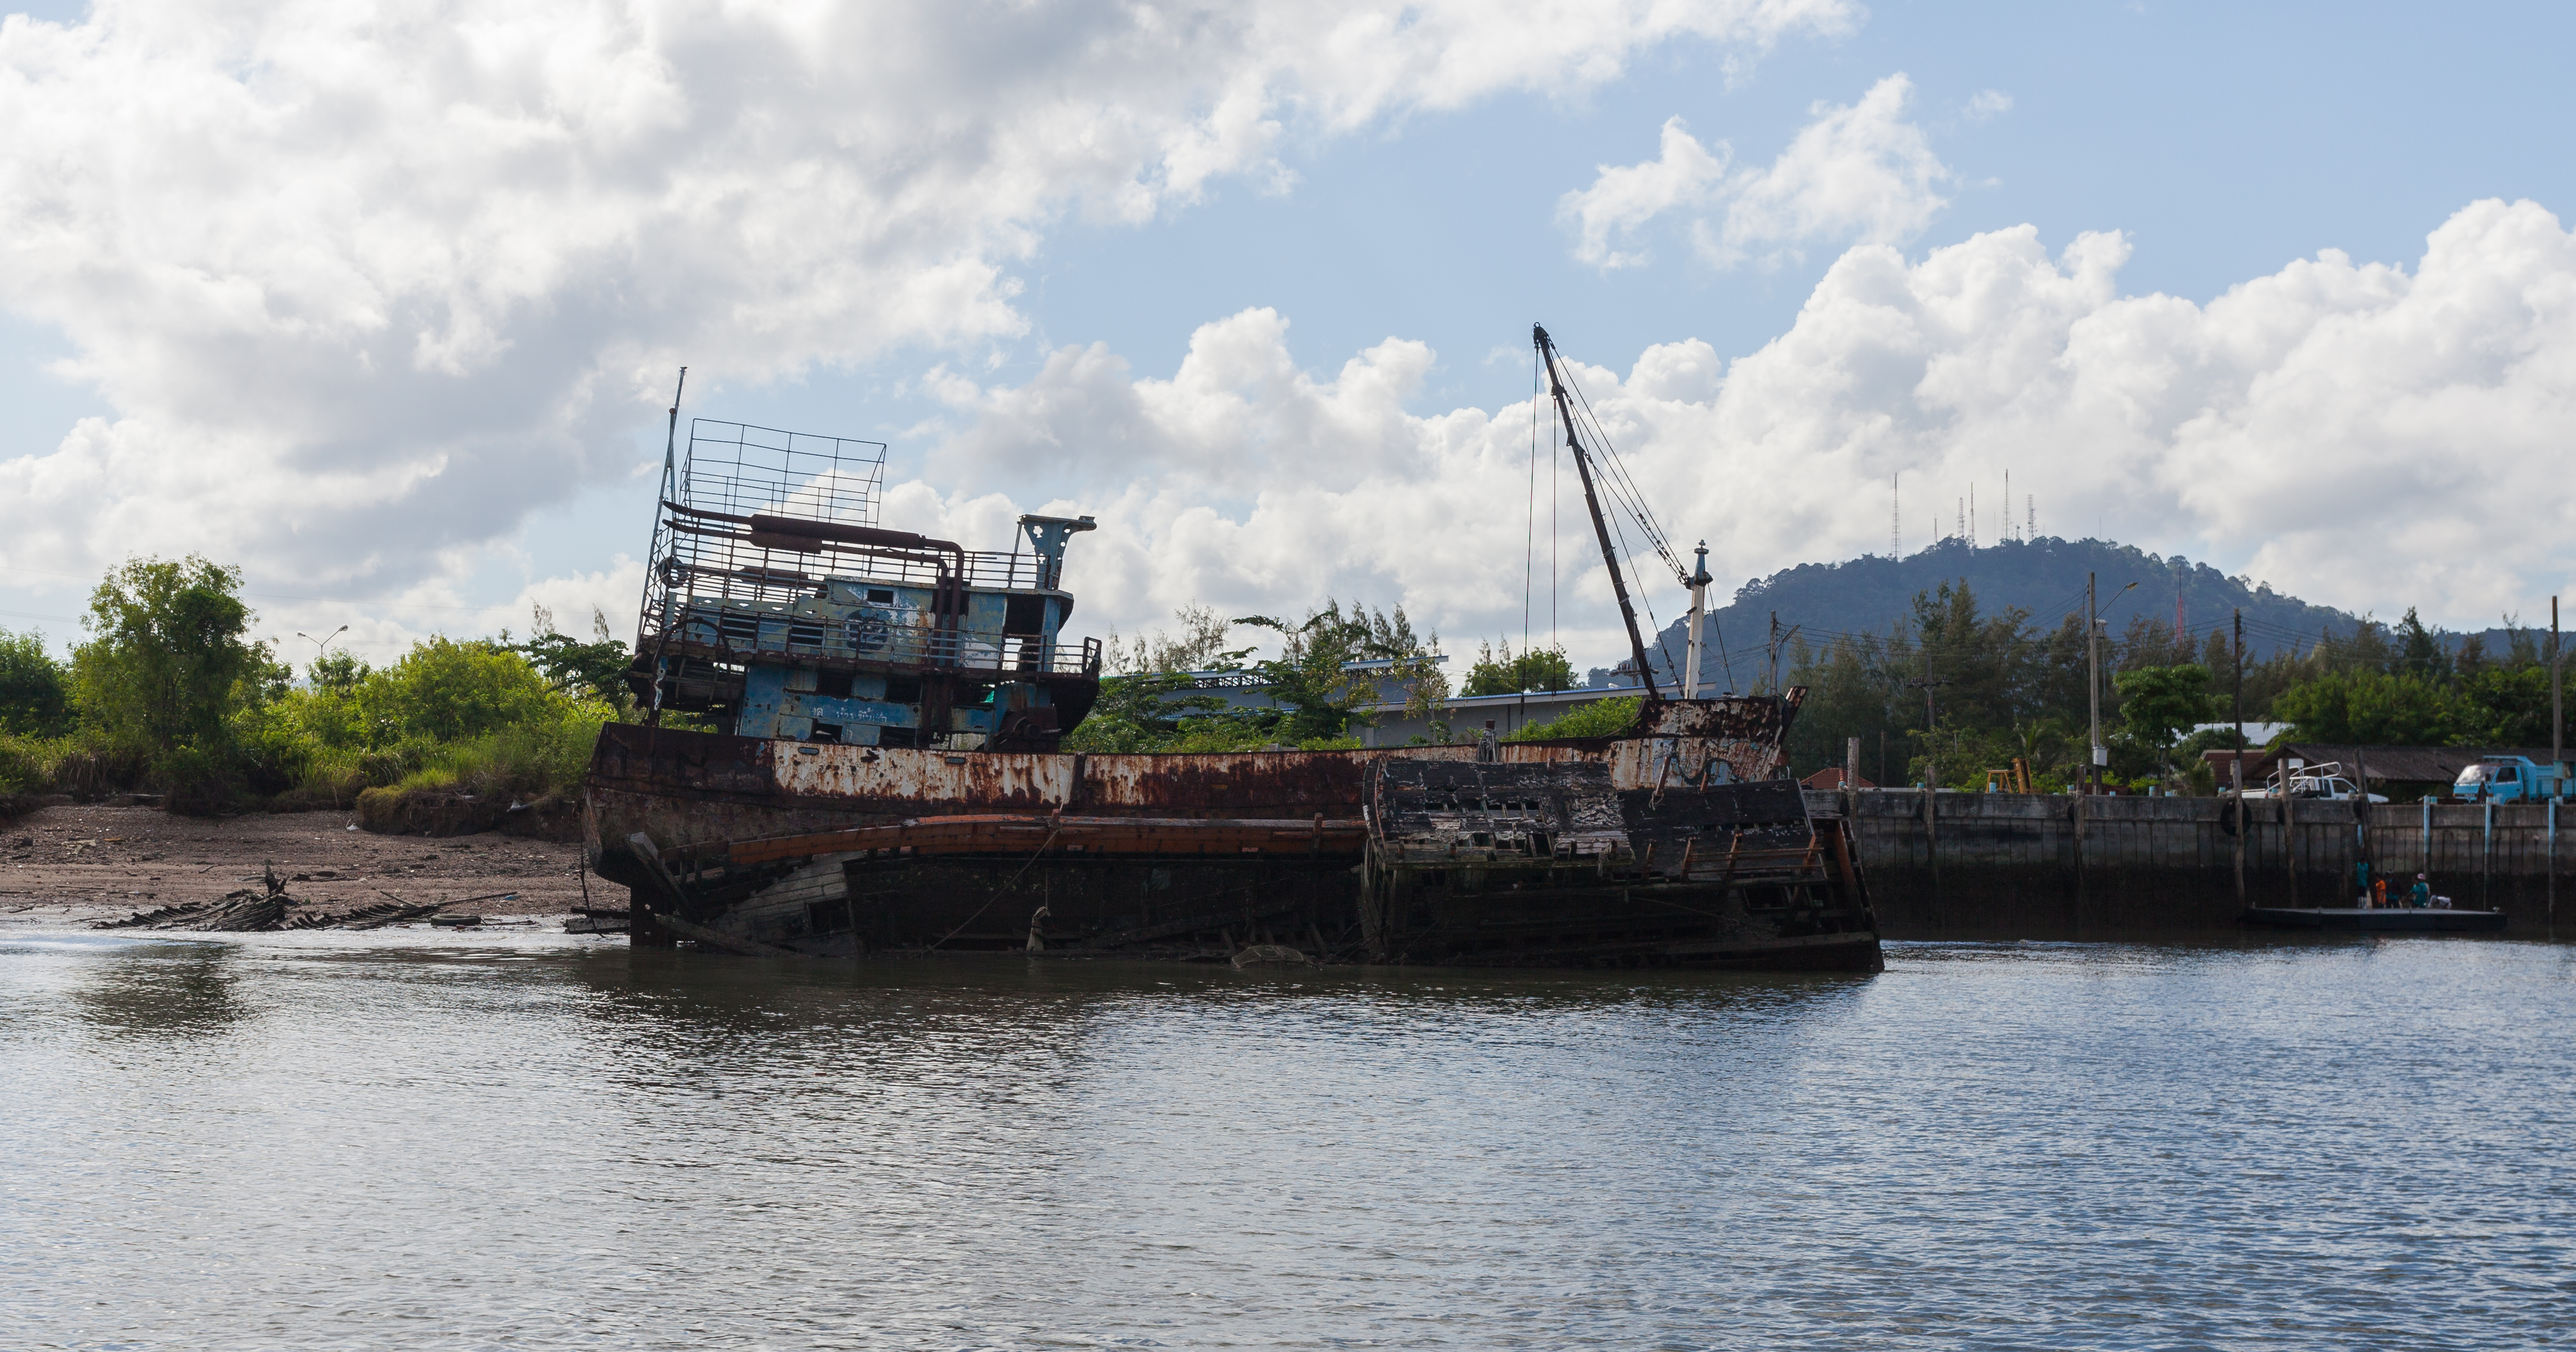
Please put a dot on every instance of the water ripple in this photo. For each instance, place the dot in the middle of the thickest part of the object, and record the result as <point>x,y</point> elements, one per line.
<point>535,1142</point>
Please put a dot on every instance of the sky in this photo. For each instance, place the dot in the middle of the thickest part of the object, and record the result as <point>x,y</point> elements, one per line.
<point>383,303</point>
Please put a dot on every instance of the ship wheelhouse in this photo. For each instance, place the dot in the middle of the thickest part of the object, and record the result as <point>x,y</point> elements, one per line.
<point>777,607</point>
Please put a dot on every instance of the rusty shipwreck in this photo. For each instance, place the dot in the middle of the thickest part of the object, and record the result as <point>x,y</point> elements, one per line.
<point>876,770</point>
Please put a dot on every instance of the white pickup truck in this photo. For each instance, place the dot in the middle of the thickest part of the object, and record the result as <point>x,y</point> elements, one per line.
<point>2316,781</point>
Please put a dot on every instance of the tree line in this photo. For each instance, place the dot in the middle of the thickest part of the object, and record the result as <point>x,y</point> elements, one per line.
<point>1162,692</point>
<point>1965,691</point>
<point>167,691</point>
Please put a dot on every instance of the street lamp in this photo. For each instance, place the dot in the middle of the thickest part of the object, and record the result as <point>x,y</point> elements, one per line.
<point>319,644</point>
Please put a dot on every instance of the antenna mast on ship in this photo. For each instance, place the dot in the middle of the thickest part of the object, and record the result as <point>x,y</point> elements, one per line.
<point>1600,527</point>
<point>644,616</point>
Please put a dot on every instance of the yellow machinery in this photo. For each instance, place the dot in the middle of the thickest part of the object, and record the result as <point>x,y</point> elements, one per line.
<point>2014,780</point>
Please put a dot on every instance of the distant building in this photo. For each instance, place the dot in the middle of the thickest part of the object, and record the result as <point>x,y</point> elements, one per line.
<point>1831,777</point>
<point>2219,761</point>
<point>1471,717</point>
<point>2257,735</point>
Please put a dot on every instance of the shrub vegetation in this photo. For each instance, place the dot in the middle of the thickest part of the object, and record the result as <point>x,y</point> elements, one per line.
<point>1311,699</point>
<point>168,692</point>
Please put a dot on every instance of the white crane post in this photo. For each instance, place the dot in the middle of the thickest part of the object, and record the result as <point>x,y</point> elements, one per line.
<point>1699,581</point>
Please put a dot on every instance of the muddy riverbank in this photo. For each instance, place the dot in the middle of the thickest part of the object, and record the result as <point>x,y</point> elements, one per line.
<point>85,864</point>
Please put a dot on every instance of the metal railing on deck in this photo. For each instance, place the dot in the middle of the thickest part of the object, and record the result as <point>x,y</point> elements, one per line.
<point>714,557</point>
<point>735,632</point>
<point>764,520</point>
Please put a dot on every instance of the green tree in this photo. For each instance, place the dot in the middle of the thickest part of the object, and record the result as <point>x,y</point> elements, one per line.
<point>169,659</point>
<point>1142,711</point>
<point>1508,673</point>
<point>1960,753</point>
<point>593,671</point>
<point>1200,644</point>
<point>1317,698</point>
<point>2420,652</point>
<point>35,696</point>
<point>2157,704</point>
<point>2355,707</point>
<point>339,673</point>
<point>444,690</point>
<point>2500,705</point>
<point>1852,691</point>
<point>1606,718</point>
<point>1311,698</point>
<point>1987,660</point>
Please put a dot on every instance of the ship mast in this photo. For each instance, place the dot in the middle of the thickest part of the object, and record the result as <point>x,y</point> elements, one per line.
<point>1592,501</point>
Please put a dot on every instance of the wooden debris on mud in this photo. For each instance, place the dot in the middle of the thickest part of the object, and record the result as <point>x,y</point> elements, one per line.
<point>263,909</point>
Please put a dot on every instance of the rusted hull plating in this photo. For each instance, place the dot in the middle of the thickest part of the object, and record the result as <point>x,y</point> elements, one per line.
<point>1559,865</point>
<point>829,849</point>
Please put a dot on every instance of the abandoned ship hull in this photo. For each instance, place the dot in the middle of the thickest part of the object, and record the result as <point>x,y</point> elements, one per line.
<point>833,850</point>
<point>1563,864</point>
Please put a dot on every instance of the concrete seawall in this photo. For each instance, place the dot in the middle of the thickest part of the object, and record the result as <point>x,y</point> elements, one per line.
<point>2043,866</point>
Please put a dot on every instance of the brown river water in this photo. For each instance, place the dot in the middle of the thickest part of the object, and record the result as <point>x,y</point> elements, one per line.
<point>535,1141</point>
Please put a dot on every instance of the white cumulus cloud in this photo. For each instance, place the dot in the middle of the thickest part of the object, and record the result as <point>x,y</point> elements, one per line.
<point>368,281</point>
<point>1861,173</point>
<point>1685,175</point>
<point>2357,433</point>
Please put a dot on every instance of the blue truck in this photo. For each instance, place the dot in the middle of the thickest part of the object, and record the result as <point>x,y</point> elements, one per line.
<point>2509,779</point>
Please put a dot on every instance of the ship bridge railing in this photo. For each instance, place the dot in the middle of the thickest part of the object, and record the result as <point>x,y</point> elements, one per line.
<point>731,563</point>
<point>736,631</point>
<point>707,559</point>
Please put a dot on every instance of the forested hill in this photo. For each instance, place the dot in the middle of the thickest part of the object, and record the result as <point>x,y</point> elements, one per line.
<point>2043,577</point>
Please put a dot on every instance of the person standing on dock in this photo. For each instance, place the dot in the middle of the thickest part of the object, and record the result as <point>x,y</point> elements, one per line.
<point>2420,896</point>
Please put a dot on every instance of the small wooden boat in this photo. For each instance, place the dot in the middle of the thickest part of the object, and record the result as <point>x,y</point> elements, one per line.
<point>2398,920</point>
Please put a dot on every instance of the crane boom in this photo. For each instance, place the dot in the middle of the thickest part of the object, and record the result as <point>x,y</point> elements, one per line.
<point>1592,502</point>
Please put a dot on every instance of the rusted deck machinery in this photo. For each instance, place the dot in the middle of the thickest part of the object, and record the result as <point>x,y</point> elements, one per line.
<point>882,777</point>
<point>1554,865</point>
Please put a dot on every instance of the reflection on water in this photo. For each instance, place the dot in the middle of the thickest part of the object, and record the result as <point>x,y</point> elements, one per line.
<point>313,1140</point>
<point>154,990</point>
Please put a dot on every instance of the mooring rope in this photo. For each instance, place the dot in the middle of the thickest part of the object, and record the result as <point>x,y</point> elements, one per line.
<point>997,892</point>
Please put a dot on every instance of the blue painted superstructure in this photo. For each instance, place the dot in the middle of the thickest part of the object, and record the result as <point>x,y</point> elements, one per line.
<point>777,608</point>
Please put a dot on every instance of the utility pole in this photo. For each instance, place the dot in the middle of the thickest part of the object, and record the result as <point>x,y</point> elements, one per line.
<point>2236,763</point>
<point>2093,679</point>
<point>1772,649</point>
<point>2557,714</point>
<point>1779,641</point>
<point>2240,697</point>
<point>1931,719</point>
<point>2093,686</point>
<point>1925,685</point>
